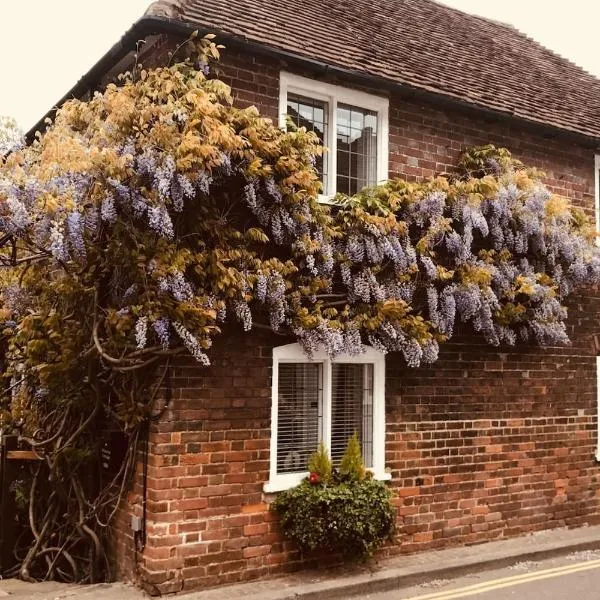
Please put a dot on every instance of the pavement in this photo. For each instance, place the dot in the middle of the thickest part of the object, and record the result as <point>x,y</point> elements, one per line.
<point>14,589</point>
<point>575,575</point>
<point>377,580</point>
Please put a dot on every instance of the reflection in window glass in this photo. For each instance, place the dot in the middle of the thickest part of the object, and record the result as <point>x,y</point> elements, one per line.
<point>356,148</point>
<point>312,114</point>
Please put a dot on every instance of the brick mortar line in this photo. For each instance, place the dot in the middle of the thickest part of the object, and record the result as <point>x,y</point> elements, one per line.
<point>422,424</point>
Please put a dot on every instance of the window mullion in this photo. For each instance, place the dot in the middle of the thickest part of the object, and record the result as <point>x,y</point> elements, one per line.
<point>326,432</point>
<point>274,420</point>
<point>382,168</point>
<point>332,146</point>
<point>379,417</point>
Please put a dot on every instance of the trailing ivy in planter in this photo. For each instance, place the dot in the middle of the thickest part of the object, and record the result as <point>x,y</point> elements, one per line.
<point>346,512</point>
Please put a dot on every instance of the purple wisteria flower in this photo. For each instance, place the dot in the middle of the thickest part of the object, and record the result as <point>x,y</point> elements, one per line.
<point>203,67</point>
<point>161,328</point>
<point>15,299</point>
<point>176,284</point>
<point>243,314</point>
<point>203,182</point>
<point>141,332</point>
<point>75,228</point>
<point>191,343</point>
<point>160,220</point>
<point>19,217</point>
<point>57,242</point>
<point>108,212</point>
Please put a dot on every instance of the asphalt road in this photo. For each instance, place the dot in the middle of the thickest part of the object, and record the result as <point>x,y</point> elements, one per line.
<point>572,577</point>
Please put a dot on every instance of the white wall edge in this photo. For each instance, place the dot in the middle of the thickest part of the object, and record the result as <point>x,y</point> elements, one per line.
<point>598,408</point>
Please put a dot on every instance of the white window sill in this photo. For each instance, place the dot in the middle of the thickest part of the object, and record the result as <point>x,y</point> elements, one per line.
<point>286,482</point>
<point>326,199</point>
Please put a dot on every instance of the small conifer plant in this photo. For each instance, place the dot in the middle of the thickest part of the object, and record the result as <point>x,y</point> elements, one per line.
<point>351,465</point>
<point>320,467</point>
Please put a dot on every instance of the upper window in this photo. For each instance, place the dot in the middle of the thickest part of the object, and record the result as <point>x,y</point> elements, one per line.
<point>323,400</point>
<point>352,125</point>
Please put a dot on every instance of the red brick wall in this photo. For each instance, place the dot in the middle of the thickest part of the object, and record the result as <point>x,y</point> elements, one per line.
<point>490,443</point>
<point>485,443</point>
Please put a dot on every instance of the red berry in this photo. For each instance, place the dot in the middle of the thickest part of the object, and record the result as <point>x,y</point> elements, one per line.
<point>314,478</point>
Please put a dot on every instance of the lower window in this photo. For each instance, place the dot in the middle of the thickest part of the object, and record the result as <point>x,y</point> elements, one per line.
<point>323,400</point>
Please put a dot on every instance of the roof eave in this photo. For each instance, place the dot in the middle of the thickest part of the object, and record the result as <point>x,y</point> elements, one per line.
<point>156,25</point>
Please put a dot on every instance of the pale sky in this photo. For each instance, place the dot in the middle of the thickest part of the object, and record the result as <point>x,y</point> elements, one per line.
<point>47,45</point>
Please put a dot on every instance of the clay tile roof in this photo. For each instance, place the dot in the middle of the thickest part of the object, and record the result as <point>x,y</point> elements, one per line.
<point>418,43</point>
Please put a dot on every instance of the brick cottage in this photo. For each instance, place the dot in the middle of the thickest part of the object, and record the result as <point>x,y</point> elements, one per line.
<point>489,442</point>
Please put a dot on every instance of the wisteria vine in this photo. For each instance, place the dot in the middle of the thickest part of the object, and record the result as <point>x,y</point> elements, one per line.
<point>149,217</point>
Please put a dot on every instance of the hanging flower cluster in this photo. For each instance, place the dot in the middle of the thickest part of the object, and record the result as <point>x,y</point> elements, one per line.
<point>11,137</point>
<point>148,217</point>
<point>157,211</point>
<point>497,251</point>
<point>170,217</point>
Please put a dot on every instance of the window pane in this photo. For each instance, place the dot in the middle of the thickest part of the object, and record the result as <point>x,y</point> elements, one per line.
<point>312,114</point>
<point>343,117</point>
<point>343,185</point>
<point>357,119</point>
<point>356,136</point>
<point>371,121</point>
<point>299,418</point>
<point>352,409</point>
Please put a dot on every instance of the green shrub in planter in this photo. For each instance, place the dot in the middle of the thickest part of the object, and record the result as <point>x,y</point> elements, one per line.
<point>349,512</point>
<point>351,465</point>
<point>320,466</point>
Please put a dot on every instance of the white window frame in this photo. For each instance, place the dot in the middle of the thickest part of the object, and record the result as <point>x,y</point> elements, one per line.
<point>334,94</point>
<point>598,407</point>
<point>597,216</point>
<point>293,353</point>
